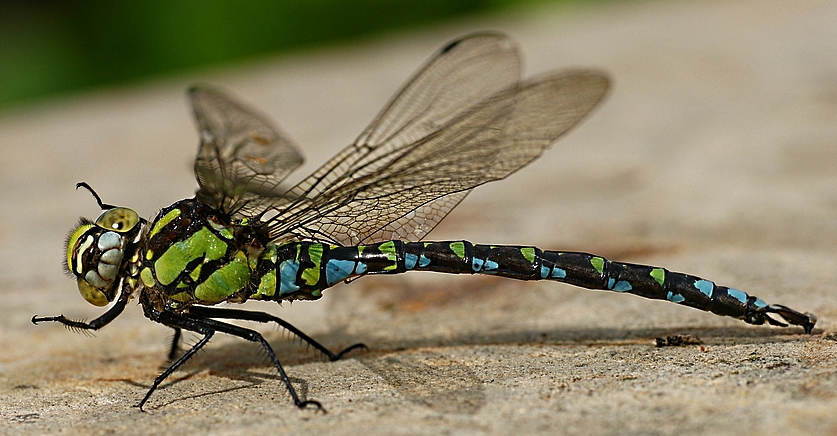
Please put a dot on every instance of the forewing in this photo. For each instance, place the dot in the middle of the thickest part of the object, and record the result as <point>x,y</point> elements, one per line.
<point>542,111</point>
<point>413,187</point>
<point>242,157</point>
<point>458,77</point>
<point>461,75</point>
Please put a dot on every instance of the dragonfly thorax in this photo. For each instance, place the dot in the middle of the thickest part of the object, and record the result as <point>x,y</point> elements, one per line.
<point>194,254</point>
<point>96,252</point>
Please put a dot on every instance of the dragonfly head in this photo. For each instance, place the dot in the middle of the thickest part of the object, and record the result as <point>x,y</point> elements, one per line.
<point>96,249</point>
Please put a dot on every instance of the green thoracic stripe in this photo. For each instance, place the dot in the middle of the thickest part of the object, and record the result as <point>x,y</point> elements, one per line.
<point>147,277</point>
<point>196,273</point>
<point>226,281</point>
<point>181,297</point>
<point>267,286</point>
<point>173,261</point>
<point>225,231</point>
<point>270,253</point>
<point>167,218</point>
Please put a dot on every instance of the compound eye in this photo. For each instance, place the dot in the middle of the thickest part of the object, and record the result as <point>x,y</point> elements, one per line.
<point>92,294</point>
<point>118,219</point>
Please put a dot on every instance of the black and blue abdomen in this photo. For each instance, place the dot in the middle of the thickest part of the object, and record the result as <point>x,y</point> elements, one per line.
<point>302,270</point>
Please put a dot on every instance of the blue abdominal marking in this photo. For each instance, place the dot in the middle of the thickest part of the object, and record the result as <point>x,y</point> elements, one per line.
<point>423,261</point>
<point>287,277</point>
<point>675,298</point>
<point>555,272</point>
<point>339,270</point>
<point>361,268</point>
<point>620,286</point>
<point>706,287</point>
<point>490,267</point>
<point>410,260</point>
<point>738,295</point>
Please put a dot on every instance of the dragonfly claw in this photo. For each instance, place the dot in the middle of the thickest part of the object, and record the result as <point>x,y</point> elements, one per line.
<point>306,403</point>
<point>340,355</point>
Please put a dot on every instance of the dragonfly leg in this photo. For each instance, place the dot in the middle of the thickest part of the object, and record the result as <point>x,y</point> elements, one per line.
<point>186,356</point>
<point>208,327</point>
<point>246,315</point>
<point>175,343</point>
<point>95,324</point>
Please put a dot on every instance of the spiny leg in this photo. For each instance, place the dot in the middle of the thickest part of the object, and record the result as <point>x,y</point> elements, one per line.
<point>175,343</point>
<point>186,356</point>
<point>95,324</point>
<point>246,315</point>
<point>209,327</point>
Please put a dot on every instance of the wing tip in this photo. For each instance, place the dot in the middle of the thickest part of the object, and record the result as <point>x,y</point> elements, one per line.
<point>488,34</point>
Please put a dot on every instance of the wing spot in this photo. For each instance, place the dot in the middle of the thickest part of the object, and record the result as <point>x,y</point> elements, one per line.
<point>261,140</point>
<point>258,160</point>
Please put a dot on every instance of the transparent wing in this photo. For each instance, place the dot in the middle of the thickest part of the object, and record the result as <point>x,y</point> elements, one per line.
<point>459,76</point>
<point>463,120</point>
<point>242,158</point>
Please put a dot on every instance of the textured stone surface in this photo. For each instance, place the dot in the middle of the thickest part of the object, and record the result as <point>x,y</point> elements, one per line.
<point>715,154</point>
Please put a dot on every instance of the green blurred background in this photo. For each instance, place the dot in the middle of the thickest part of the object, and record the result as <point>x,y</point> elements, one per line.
<point>53,47</point>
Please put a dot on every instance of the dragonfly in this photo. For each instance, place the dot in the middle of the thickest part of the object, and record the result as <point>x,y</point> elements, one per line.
<point>464,119</point>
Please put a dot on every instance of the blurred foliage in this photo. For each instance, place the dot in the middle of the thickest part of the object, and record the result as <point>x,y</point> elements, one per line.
<point>52,46</point>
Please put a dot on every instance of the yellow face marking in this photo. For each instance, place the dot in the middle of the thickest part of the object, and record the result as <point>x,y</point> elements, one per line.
<point>82,247</point>
<point>72,241</point>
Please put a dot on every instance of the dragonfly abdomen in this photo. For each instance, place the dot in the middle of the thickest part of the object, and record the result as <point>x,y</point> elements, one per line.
<point>336,264</point>
<point>595,272</point>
